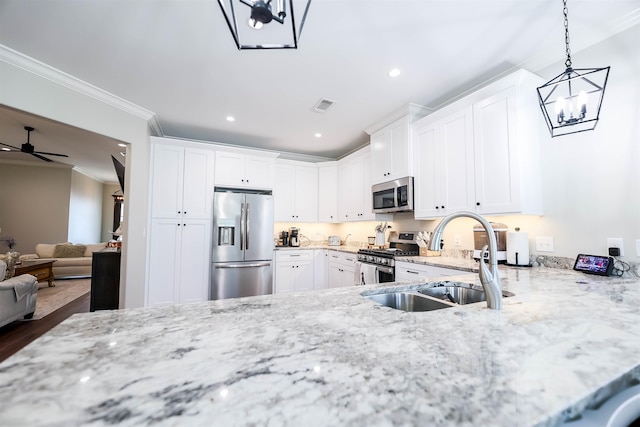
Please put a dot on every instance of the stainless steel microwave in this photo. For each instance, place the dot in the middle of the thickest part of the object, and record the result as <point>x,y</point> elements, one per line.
<point>393,196</point>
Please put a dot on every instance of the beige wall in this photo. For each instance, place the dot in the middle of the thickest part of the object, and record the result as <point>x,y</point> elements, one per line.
<point>34,204</point>
<point>85,209</point>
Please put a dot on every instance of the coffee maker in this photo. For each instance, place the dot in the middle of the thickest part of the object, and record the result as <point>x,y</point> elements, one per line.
<point>294,239</point>
<point>284,238</point>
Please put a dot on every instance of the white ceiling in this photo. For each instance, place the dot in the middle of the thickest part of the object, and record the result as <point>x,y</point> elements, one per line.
<point>177,59</point>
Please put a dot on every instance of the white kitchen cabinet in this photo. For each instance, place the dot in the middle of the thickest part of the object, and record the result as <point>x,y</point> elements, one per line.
<point>295,192</point>
<point>294,271</point>
<point>412,272</point>
<point>239,170</point>
<point>320,268</point>
<point>181,190</point>
<point>391,144</point>
<point>181,181</point>
<point>328,192</point>
<point>354,187</point>
<point>341,269</point>
<point>444,166</point>
<point>178,261</point>
<point>501,129</point>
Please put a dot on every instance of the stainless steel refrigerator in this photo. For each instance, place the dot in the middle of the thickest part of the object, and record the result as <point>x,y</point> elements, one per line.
<point>242,249</point>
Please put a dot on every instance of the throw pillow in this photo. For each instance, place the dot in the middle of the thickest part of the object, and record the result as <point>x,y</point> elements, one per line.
<point>69,251</point>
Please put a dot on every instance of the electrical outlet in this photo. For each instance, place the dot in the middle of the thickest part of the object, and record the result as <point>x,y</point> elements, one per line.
<point>544,244</point>
<point>456,240</point>
<point>616,242</point>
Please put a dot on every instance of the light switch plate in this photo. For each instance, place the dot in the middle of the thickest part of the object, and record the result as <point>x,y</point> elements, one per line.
<point>544,244</point>
<point>638,248</point>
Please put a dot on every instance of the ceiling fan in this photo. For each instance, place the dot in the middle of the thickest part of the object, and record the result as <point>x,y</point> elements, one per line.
<point>30,149</point>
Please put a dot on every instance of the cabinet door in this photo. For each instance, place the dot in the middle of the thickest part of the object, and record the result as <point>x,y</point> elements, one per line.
<point>229,169</point>
<point>164,244</point>
<point>194,261</point>
<point>356,186</point>
<point>320,259</point>
<point>426,191</point>
<point>198,183</point>
<point>399,149</point>
<point>304,276</point>
<point>306,194</point>
<point>456,161</point>
<point>344,191</point>
<point>167,181</point>
<point>328,193</point>
<point>381,155</point>
<point>285,277</point>
<point>283,196</point>
<point>259,172</point>
<point>335,275</point>
<point>497,186</point>
<point>366,196</point>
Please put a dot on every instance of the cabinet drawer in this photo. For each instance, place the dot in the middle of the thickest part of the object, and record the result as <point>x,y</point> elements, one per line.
<point>293,255</point>
<point>416,272</point>
<point>343,258</point>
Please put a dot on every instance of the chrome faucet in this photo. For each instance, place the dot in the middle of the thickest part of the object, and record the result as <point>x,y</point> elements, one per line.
<point>489,278</point>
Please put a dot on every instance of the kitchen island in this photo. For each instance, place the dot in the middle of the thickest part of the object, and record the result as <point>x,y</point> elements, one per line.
<point>335,358</point>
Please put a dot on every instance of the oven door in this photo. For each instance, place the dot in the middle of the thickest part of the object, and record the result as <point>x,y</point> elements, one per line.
<point>385,274</point>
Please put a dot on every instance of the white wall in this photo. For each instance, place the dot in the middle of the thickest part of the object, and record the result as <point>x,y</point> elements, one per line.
<point>34,88</point>
<point>85,209</point>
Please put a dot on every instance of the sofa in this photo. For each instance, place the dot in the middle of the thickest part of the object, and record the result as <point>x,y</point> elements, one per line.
<point>70,260</point>
<point>17,296</point>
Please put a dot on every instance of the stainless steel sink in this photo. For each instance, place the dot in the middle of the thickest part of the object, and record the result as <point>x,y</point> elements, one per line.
<point>458,294</point>
<point>408,301</point>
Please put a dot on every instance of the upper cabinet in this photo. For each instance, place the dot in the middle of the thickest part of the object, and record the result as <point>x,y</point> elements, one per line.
<point>295,192</point>
<point>328,192</point>
<point>482,153</point>
<point>391,145</point>
<point>354,187</point>
<point>181,179</point>
<point>240,170</point>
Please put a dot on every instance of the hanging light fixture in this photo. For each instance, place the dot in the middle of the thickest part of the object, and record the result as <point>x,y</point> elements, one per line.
<point>571,101</point>
<point>244,17</point>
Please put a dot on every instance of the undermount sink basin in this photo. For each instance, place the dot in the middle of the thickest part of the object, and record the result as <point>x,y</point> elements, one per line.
<point>443,295</point>
<point>408,301</point>
<point>458,294</point>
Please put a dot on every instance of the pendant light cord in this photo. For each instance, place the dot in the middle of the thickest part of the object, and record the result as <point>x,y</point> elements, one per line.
<point>567,63</point>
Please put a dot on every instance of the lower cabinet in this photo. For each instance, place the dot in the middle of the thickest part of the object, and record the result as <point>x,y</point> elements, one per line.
<point>179,261</point>
<point>320,268</point>
<point>294,271</point>
<point>411,272</point>
<point>341,269</point>
<point>105,280</point>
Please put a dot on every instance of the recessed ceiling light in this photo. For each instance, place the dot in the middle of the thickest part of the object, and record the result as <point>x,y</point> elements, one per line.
<point>231,119</point>
<point>318,135</point>
<point>122,145</point>
<point>394,72</point>
<point>5,149</point>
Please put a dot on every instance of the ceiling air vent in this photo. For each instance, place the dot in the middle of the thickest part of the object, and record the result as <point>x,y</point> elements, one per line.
<point>322,105</point>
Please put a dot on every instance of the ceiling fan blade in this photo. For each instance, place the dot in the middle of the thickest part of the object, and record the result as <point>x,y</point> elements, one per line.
<point>11,146</point>
<point>41,158</point>
<point>50,154</point>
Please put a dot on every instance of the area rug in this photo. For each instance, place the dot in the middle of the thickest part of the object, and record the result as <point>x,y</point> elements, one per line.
<point>65,291</point>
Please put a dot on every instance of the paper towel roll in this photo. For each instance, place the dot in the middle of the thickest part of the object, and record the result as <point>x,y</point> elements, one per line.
<point>517,248</point>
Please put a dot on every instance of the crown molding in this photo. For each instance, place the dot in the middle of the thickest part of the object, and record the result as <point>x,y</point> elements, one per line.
<point>48,72</point>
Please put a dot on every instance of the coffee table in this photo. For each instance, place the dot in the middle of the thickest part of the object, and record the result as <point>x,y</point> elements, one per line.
<point>43,270</point>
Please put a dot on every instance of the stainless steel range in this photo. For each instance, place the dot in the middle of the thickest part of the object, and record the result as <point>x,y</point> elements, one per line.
<point>401,245</point>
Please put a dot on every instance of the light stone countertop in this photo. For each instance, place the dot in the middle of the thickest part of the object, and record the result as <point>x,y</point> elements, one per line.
<point>334,358</point>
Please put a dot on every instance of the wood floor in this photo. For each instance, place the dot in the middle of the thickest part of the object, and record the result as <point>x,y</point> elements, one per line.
<point>16,335</point>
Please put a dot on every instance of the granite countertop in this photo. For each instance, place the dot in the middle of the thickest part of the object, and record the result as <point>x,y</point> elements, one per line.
<point>335,358</point>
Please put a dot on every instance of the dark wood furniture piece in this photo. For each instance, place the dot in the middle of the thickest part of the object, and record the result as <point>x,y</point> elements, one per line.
<point>43,270</point>
<point>105,280</point>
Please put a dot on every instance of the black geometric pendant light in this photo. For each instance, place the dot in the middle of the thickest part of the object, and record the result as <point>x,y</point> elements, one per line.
<point>265,24</point>
<point>571,101</point>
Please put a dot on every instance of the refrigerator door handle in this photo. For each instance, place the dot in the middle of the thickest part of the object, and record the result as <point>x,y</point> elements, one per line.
<point>242,226</point>
<point>244,265</point>
<point>247,229</point>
